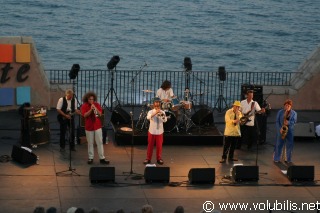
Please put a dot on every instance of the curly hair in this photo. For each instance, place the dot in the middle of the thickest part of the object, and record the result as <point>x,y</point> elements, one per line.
<point>86,97</point>
<point>166,85</point>
<point>288,101</point>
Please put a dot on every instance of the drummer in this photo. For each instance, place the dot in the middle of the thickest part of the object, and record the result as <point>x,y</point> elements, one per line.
<point>165,92</point>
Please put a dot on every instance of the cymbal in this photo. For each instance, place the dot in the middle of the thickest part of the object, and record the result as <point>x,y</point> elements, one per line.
<point>147,91</point>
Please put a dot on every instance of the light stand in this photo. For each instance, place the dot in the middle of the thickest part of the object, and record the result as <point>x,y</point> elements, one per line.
<point>112,66</point>
<point>221,100</point>
<point>71,170</point>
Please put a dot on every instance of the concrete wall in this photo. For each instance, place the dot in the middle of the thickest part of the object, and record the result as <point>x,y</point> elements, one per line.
<point>305,89</point>
<point>37,80</point>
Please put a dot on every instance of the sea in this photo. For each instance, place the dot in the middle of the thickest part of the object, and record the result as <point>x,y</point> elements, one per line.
<point>241,35</point>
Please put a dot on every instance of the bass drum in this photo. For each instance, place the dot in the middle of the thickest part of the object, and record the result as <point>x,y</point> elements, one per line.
<point>171,122</point>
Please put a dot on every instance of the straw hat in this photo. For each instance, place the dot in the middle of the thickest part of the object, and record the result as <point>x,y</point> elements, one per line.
<point>236,103</point>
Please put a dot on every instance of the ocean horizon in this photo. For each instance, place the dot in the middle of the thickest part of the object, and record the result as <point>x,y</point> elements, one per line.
<point>243,36</point>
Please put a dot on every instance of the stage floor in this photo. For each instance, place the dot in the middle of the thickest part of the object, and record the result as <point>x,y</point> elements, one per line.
<point>23,188</point>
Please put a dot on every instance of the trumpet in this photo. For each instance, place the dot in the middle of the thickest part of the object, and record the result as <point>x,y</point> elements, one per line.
<point>161,115</point>
<point>95,112</point>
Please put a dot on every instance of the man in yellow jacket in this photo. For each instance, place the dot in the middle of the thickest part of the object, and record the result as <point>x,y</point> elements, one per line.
<point>231,132</point>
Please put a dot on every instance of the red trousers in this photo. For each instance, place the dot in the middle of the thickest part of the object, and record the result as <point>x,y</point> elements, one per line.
<point>158,139</point>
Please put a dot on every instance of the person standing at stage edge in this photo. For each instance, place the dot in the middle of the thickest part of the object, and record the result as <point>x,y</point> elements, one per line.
<point>285,121</point>
<point>91,111</point>
<point>155,134</point>
<point>66,108</point>
<point>231,132</point>
<point>249,130</point>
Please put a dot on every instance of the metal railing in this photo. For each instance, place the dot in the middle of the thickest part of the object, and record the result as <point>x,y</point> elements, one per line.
<point>128,85</point>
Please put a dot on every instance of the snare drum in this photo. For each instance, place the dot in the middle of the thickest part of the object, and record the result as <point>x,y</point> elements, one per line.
<point>175,104</point>
<point>187,104</point>
<point>166,106</point>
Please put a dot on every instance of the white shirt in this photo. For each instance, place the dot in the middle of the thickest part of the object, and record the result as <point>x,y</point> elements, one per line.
<point>246,107</point>
<point>60,103</point>
<point>318,130</point>
<point>156,122</point>
<point>165,94</point>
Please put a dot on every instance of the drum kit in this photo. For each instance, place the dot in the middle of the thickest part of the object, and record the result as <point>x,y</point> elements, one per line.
<point>178,113</point>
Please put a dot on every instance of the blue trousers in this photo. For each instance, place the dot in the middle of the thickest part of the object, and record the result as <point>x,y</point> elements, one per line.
<point>288,141</point>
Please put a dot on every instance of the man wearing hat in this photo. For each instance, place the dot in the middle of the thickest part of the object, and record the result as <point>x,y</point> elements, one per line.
<point>231,132</point>
<point>286,119</point>
<point>157,117</point>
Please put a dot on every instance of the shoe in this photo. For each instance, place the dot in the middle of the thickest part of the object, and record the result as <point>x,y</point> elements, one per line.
<point>160,161</point>
<point>104,161</point>
<point>90,161</point>
<point>222,161</point>
<point>62,150</point>
<point>233,159</point>
<point>146,161</point>
<point>73,149</point>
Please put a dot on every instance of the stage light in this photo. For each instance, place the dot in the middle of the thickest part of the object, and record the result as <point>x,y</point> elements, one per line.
<point>187,64</point>
<point>74,71</point>
<point>222,73</point>
<point>113,62</point>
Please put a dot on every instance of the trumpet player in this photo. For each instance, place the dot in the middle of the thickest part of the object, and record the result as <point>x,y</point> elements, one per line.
<point>157,117</point>
<point>92,111</point>
<point>231,132</point>
<point>286,118</point>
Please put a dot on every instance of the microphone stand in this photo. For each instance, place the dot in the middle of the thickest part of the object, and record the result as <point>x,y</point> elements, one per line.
<point>71,170</point>
<point>137,176</point>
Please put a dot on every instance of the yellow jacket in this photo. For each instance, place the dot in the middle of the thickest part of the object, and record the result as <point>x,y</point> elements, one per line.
<point>231,129</point>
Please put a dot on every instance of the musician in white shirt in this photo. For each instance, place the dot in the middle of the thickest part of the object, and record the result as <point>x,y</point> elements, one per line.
<point>249,130</point>
<point>157,117</point>
<point>165,92</point>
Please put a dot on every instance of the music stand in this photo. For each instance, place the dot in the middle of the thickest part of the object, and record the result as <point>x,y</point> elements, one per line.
<point>71,170</point>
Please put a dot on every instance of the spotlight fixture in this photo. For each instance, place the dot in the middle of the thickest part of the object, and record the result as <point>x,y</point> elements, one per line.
<point>187,64</point>
<point>222,73</point>
<point>113,62</point>
<point>74,71</point>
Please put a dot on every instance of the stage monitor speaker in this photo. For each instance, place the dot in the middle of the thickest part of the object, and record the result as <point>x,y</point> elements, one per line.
<point>157,174</point>
<point>300,173</point>
<point>257,92</point>
<point>245,173</point>
<point>202,175</point>
<point>120,116</point>
<point>102,174</point>
<point>39,130</point>
<point>203,117</point>
<point>23,155</point>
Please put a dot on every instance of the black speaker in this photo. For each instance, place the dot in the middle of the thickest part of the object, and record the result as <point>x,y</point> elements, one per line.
<point>102,174</point>
<point>157,174</point>
<point>202,176</point>
<point>23,155</point>
<point>257,92</point>
<point>300,173</point>
<point>120,116</point>
<point>35,131</point>
<point>245,173</point>
<point>203,117</point>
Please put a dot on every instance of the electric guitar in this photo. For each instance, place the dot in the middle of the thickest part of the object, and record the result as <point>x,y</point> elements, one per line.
<point>245,118</point>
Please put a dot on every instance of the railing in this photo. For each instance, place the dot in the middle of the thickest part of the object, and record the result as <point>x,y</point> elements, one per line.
<point>127,86</point>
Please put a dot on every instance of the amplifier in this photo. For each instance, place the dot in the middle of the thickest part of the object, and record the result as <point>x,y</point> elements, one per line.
<point>35,131</point>
<point>34,112</point>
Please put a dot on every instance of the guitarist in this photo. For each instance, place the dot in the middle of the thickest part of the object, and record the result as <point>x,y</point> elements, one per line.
<point>66,107</point>
<point>248,130</point>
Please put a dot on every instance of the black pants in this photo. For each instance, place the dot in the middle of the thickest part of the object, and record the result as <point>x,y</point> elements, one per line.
<point>249,135</point>
<point>229,146</point>
<point>63,130</point>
